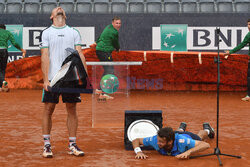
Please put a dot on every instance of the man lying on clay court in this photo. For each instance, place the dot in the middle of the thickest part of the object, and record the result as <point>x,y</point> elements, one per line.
<point>180,143</point>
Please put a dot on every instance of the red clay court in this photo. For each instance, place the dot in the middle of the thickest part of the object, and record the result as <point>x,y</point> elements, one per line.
<point>188,94</point>
<point>21,138</point>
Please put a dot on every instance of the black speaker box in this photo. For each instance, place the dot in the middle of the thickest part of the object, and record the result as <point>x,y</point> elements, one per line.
<point>133,115</point>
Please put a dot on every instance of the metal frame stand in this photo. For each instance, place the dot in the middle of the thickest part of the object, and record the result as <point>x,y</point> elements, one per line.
<point>217,151</point>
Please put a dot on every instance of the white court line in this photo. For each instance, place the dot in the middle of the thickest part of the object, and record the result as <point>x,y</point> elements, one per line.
<point>145,56</point>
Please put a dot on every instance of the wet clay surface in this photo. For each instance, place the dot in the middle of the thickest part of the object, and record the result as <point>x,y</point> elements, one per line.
<point>22,143</point>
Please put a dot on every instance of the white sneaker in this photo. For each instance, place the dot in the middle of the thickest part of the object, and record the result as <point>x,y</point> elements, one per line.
<point>74,150</point>
<point>98,91</point>
<point>47,153</point>
<point>247,98</point>
<point>5,83</point>
<point>105,96</point>
<point>5,87</point>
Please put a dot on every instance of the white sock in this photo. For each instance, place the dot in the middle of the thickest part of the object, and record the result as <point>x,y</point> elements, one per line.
<point>208,131</point>
<point>180,129</point>
<point>46,139</point>
<point>72,140</point>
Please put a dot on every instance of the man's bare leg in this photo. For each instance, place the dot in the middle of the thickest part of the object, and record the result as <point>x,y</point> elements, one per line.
<point>72,124</point>
<point>203,134</point>
<point>47,117</point>
<point>46,128</point>
<point>72,119</point>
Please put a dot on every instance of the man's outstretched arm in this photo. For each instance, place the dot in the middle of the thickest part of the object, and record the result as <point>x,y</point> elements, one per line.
<point>136,145</point>
<point>199,146</point>
<point>239,47</point>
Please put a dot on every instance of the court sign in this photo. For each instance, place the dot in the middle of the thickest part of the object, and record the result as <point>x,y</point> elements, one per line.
<point>174,37</point>
<point>17,31</point>
<point>204,38</point>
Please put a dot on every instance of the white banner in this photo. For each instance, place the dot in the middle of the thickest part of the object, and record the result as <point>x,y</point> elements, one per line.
<point>204,38</point>
<point>31,36</point>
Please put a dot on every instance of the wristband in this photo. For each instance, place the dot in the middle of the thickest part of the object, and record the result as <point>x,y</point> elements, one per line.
<point>137,149</point>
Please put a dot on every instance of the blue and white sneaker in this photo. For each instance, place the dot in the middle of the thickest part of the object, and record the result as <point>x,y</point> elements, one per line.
<point>74,150</point>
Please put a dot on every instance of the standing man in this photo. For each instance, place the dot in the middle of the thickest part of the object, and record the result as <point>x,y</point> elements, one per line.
<point>105,45</point>
<point>237,48</point>
<point>6,36</point>
<point>180,144</point>
<point>55,40</point>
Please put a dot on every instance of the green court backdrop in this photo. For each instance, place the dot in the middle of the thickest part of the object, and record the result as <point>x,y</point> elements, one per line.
<point>174,37</point>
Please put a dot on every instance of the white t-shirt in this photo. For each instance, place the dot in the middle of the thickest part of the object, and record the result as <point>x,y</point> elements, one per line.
<point>57,39</point>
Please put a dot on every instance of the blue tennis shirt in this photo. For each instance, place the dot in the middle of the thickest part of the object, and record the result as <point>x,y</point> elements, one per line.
<point>182,143</point>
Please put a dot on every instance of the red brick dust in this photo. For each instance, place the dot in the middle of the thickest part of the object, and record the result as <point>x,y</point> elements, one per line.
<point>22,143</point>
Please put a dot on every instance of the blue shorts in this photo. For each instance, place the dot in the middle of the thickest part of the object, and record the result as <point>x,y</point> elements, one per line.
<point>192,135</point>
